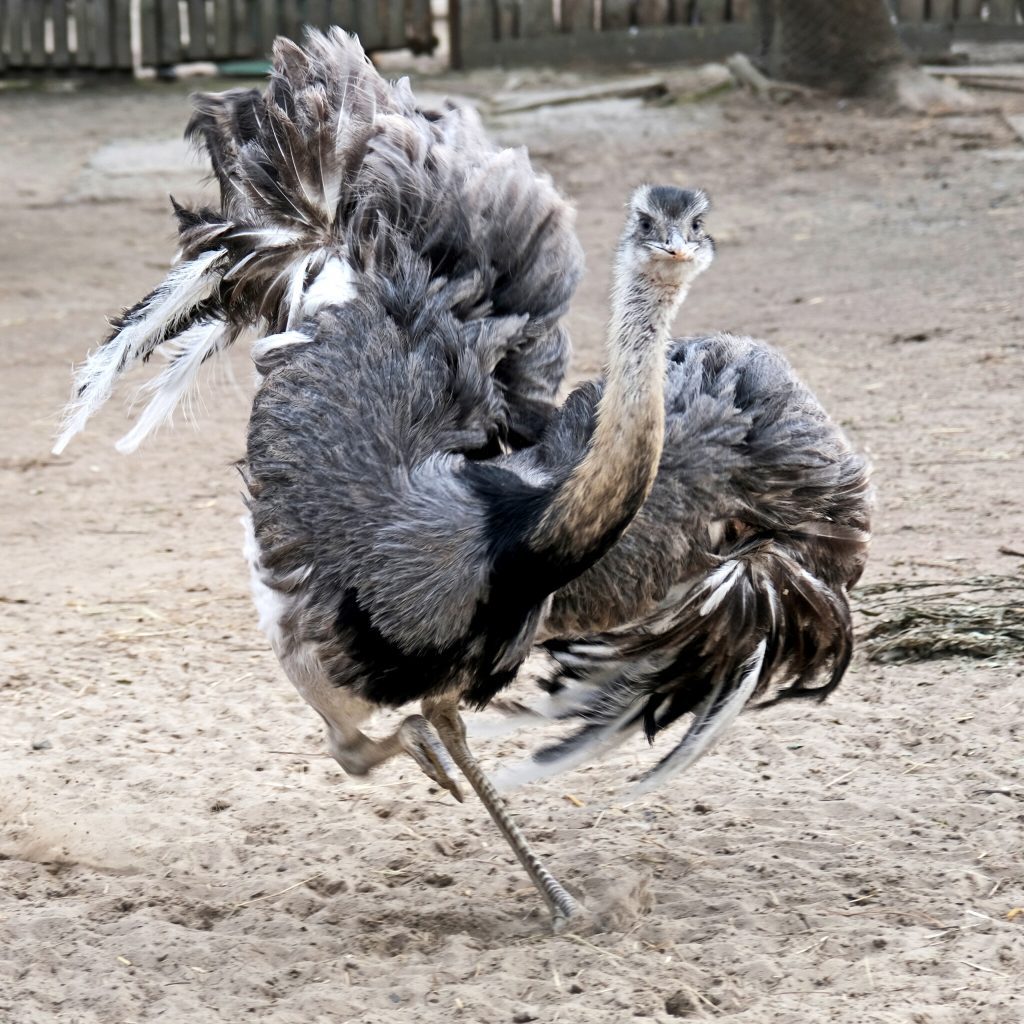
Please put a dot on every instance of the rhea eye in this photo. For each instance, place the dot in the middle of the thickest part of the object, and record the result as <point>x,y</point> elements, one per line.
<point>644,222</point>
<point>698,224</point>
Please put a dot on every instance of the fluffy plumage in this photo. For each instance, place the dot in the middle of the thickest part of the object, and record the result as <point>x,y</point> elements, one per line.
<point>755,530</point>
<point>317,177</point>
<point>680,535</point>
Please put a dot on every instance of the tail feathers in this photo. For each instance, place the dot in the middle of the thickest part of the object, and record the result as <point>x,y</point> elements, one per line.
<point>139,332</point>
<point>757,622</point>
<point>325,176</point>
<point>186,353</point>
<point>711,717</point>
<point>591,742</point>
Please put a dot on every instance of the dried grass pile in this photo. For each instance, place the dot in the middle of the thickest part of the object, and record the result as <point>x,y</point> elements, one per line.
<point>915,620</point>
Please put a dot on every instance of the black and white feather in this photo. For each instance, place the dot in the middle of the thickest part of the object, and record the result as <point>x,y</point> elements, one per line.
<point>317,176</point>
<point>732,581</point>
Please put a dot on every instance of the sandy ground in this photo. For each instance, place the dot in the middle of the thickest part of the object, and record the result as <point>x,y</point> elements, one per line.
<point>176,848</point>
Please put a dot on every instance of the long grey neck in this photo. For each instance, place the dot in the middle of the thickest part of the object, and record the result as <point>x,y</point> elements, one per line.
<point>611,482</point>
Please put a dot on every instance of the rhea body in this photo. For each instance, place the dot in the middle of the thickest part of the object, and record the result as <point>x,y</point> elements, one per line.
<point>422,511</point>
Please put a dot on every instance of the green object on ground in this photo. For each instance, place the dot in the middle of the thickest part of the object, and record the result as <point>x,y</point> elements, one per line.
<point>244,68</point>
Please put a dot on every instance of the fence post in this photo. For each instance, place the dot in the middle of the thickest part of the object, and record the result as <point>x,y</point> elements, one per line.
<point>614,14</point>
<point>36,37</point>
<point>121,35</point>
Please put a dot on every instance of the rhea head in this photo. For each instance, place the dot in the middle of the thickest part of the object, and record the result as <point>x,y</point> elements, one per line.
<point>664,239</point>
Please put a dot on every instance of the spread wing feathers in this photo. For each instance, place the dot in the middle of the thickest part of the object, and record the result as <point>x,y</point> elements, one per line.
<point>319,177</point>
<point>182,298</point>
<point>731,582</point>
<point>757,622</point>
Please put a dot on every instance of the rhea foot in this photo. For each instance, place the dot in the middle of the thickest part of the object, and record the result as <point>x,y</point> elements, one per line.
<point>359,754</point>
<point>419,740</point>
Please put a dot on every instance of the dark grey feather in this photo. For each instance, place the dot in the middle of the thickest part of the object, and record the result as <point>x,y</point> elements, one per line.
<point>755,481</point>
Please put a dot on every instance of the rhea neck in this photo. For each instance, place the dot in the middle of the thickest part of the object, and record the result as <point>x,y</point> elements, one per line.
<point>611,482</point>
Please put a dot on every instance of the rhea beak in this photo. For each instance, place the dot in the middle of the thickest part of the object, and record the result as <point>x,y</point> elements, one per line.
<point>676,247</point>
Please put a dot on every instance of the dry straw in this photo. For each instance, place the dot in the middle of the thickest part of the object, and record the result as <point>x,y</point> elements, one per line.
<point>915,620</point>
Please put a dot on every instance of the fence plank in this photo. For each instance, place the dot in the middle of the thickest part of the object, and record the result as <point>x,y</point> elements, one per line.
<point>615,14</point>
<point>220,30</point>
<point>577,15</point>
<point>910,10</point>
<point>290,20</point>
<point>170,33</point>
<point>3,35</point>
<point>84,43</point>
<point>102,57</point>
<point>1002,12</point>
<point>473,27</point>
<point>369,24</point>
<point>510,22</point>
<point>316,13</point>
<point>16,33</point>
<point>343,13</point>
<point>653,12</point>
<point>943,10</point>
<point>266,28</point>
<point>60,34</point>
<point>420,26</point>
<point>243,14</point>
<point>121,38</point>
<point>712,12</point>
<point>393,15</point>
<point>538,18</point>
<point>198,46</point>
<point>36,35</point>
<point>149,31</point>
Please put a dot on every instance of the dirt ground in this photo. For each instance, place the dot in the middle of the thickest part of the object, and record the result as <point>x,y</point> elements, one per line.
<point>175,847</point>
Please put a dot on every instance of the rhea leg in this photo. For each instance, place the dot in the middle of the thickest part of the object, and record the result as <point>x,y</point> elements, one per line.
<point>444,716</point>
<point>343,712</point>
<point>357,753</point>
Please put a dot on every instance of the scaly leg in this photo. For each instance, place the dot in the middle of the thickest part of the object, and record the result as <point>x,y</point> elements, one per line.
<point>357,753</point>
<point>343,712</point>
<point>443,714</point>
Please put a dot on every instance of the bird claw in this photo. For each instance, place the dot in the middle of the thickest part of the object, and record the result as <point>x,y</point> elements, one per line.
<point>423,745</point>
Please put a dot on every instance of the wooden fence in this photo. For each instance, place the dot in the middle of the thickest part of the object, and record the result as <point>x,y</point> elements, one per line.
<point>550,32</point>
<point>115,35</point>
<point>559,32</point>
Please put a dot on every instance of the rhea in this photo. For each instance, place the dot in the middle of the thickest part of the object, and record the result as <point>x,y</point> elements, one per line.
<point>423,513</point>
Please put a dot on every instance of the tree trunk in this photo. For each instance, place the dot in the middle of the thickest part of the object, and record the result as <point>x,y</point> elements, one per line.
<point>845,46</point>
